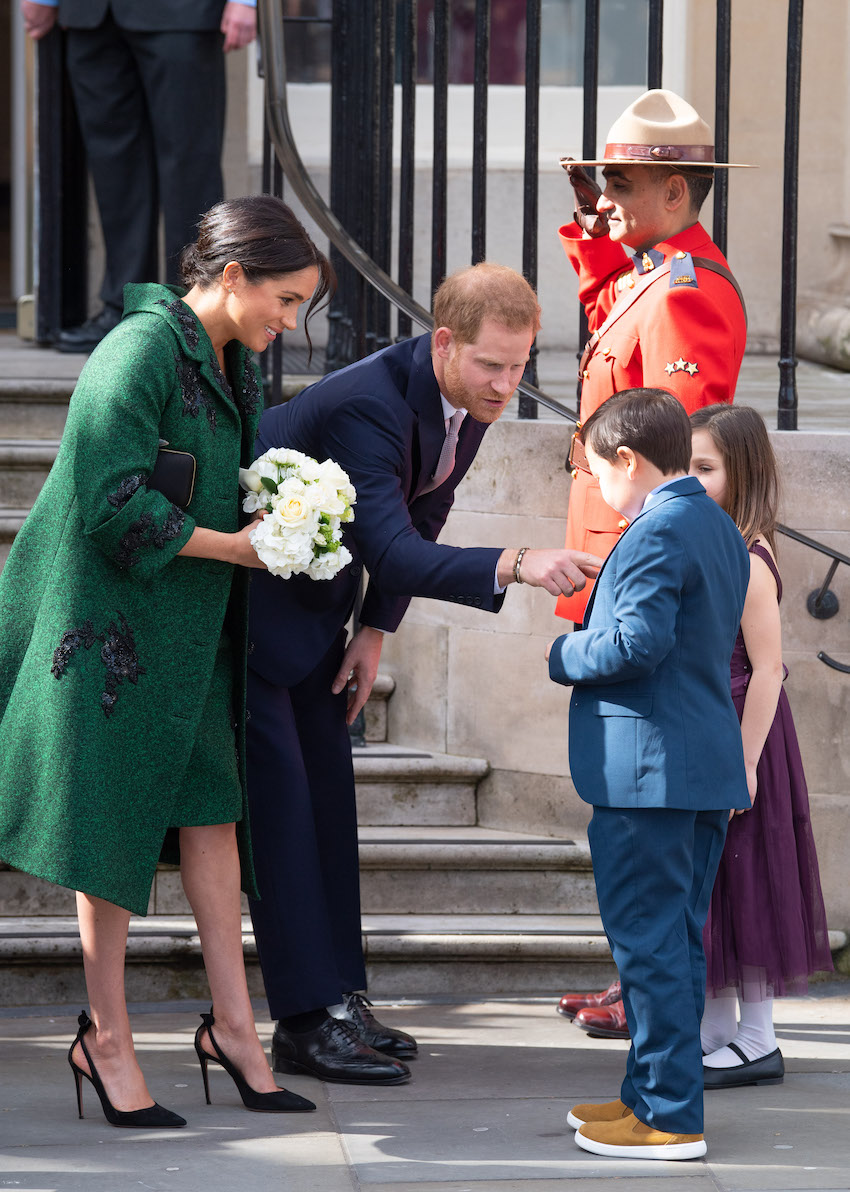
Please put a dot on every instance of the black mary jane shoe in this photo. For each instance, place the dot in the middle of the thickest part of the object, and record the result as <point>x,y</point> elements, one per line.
<point>767,1069</point>
<point>154,1117</point>
<point>386,1039</point>
<point>280,1101</point>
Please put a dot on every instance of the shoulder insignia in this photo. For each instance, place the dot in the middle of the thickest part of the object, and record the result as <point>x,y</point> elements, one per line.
<point>681,365</point>
<point>645,262</point>
<point>682,271</point>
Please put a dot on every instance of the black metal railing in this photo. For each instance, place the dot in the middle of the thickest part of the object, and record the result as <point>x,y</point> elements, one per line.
<point>377,44</point>
<point>358,266</point>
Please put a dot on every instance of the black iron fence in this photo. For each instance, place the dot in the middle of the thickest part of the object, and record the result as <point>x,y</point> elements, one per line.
<point>377,45</point>
<point>374,46</point>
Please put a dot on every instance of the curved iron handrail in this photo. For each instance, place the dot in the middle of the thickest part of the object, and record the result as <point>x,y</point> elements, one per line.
<point>821,603</point>
<point>280,131</point>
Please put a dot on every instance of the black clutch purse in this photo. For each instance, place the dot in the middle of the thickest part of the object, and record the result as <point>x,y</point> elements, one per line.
<point>173,475</point>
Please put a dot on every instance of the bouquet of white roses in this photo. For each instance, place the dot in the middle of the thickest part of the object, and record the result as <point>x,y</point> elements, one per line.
<point>305,503</point>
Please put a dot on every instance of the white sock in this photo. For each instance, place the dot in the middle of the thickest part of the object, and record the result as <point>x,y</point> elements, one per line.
<point>755,1037</point>
<point>719,1022</point>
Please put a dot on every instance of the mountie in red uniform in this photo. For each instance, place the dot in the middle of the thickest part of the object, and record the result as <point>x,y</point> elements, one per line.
<point>682,327</point>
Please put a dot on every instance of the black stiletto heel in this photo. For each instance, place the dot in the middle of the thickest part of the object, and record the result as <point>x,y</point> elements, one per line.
<point>280,1101</point>
<point>154,1117</point>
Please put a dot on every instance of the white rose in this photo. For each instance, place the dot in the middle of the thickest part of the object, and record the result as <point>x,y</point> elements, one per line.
<point>293,511</point>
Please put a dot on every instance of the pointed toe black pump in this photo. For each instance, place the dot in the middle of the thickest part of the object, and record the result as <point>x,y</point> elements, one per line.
<point>154,1117</point>
<point>280,1101</point>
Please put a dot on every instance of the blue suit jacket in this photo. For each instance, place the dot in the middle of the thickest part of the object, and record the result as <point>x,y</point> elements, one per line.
<point>652,723</point>
<point>382,420</point>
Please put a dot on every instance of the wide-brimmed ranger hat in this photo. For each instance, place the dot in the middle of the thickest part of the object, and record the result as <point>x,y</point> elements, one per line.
<point>659,128</point>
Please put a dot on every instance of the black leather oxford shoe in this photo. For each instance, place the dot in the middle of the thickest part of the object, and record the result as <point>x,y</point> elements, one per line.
<point>334,1052</point>
<point>767,1069</point>
<point>387,1040</point>
<point>88,335</point>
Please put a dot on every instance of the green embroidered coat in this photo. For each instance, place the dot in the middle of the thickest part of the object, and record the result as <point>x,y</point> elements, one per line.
<point>107,638</point>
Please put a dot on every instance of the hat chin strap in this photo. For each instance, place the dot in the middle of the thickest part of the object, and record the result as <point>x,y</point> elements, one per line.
<point>662,153</point>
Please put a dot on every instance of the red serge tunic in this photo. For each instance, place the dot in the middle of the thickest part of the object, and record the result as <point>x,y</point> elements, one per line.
<point>687,338</point>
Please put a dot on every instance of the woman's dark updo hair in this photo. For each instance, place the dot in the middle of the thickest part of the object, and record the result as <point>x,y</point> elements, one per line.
<point>264,236</point>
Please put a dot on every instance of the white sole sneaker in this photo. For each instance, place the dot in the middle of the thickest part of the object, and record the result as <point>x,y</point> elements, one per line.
<point>670,1151</point>
<point>574,1121</point>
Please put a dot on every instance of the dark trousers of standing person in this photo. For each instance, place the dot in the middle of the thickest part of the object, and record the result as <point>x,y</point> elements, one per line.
<point>151,110</point>
<point>304,840</point>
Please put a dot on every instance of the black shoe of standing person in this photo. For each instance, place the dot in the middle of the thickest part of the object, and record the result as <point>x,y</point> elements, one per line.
<point>387,1040</point>
<point>334,1052</point>
<point>88,335</point>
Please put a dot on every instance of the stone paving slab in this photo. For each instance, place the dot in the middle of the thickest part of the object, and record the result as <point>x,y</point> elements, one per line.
<point>485,1112</point>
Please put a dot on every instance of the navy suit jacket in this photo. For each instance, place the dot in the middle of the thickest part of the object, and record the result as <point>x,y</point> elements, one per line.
<point>652,723</point>
<point>382,420</point>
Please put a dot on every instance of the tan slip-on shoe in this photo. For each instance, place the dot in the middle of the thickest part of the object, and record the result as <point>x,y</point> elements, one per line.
<point>630,1138</point>
<point>609,1111</point>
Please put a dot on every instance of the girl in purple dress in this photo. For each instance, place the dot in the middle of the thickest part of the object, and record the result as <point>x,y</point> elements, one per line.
<point>766,930</point>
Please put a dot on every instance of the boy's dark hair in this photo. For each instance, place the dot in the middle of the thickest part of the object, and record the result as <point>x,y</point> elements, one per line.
<point>650,421</point>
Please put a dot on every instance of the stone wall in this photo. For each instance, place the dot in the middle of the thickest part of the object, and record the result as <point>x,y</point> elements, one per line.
<point>475,684</point>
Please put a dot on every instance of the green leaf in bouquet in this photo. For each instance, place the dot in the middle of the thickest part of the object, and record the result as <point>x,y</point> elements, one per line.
<point>269,484</point>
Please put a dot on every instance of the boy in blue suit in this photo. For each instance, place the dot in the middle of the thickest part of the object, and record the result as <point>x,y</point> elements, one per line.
<point>655,746</point>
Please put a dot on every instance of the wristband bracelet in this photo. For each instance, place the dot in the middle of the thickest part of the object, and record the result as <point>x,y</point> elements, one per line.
<point>519,557</point>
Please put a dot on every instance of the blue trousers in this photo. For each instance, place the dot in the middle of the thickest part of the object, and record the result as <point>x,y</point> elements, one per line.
<point>654,870</point>
<point>304,840</point>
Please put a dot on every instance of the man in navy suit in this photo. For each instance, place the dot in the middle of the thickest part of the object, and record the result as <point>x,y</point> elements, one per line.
<point>655,746</point>
<point>405,423</point>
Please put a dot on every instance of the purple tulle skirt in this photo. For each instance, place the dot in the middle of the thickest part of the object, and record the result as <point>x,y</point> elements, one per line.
<point>767,908</point>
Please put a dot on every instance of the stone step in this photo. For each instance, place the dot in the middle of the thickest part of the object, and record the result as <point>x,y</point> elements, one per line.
<point>406,787</point>
<point>34,409</point>
<point>11,521</point>
<point>473,871</point>
<point>375,711</point>
<point>403,871</point>
<point>24,464</point>
<point>406,955</point>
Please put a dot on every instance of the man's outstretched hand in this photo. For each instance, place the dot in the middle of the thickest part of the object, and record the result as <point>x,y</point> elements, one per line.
<point>586,193</point>
<point>559,571</point>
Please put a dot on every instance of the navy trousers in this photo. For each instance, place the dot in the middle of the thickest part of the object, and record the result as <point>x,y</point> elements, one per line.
<point>304,840</point>
<point>654,870</point>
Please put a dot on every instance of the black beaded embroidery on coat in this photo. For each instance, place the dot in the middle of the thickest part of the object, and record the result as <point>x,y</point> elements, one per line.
<point>195,397</point>
<point>124,491</point>
<point>251,399</point>
<point>188,323</point>
<point>117,653</point>
<point>71,641</point>
<point>220,379</point>
<point>169,529</point>
<point>143,532</point>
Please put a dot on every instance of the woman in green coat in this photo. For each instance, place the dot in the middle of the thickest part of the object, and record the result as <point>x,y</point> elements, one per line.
<point>123,624</point>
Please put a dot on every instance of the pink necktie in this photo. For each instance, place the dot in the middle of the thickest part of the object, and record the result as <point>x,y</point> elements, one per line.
<point>446,462</point>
